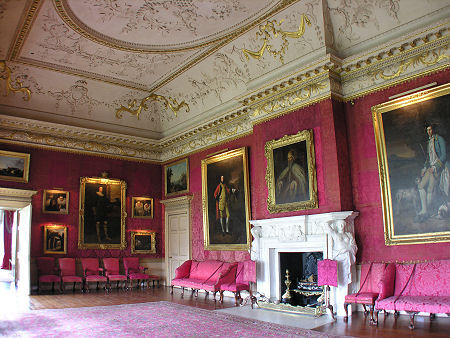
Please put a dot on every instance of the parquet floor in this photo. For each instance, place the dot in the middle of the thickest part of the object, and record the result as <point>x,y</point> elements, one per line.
<point>357,326</point>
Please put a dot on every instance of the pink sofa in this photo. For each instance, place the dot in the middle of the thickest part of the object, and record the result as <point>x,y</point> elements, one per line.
<point>421,287</point>
<point>206,275</point>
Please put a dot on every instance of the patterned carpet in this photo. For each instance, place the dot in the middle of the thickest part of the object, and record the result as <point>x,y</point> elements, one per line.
<point>157,319</point>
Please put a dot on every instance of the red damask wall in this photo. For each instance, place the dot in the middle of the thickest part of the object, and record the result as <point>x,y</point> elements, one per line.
<point>334,188</point>
<point>50,169</point>
<point>369,224</point>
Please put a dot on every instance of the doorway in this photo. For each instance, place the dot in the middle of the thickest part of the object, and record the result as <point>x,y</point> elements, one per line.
<point>20,201</point>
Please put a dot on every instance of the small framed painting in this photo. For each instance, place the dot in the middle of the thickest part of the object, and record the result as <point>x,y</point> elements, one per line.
<point>55,239</point>
<point>14,166</point>
<point>143,242</point>
<point>142,207</point>
<point>177,177</point>
<point>55,202</point>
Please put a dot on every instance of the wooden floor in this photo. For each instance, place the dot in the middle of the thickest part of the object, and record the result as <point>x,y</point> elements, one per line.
<point>357,326</point>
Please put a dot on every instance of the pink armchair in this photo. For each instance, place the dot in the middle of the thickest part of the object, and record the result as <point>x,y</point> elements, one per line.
<point>67,272</point>
<point>371,275</point>
<point>111,266</point>
<point>239,279</point>
<point>136,272</point>
<point>47,271</point>
<point>92,272</point>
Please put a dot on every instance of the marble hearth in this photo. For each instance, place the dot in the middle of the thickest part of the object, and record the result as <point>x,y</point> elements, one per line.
<point>330,233</point>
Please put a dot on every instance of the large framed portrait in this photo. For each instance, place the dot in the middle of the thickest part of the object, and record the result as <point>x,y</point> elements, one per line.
<point>14,166</point>
<point>102,213</point>
<point>226,201</point>
<point>55,239</point>
<point>142,207</point>
<point>55,202</point>
<point>143,242</point>
<point>176,177</point>
<point>411,136</point>
<point>291,173</point>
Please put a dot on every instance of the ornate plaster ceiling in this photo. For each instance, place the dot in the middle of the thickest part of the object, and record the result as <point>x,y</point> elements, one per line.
<point>163,70</point>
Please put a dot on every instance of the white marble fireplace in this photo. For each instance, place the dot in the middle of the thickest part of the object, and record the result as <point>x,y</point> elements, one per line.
<point>330,233</point>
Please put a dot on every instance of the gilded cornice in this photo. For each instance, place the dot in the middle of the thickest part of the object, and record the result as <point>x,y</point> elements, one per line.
<point>77,140</point>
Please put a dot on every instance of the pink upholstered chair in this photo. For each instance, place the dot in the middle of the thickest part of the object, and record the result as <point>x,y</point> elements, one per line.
<point>111,266</point>
<point>47,272</point>
<point>92,272</point>
<point>371,275</point>
<point>241,277</point>
<point>67,272</point>
<point>136,272</point>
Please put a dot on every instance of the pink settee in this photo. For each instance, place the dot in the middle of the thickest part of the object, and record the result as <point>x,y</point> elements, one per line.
<point>206,275</point>
<point>421,287</point>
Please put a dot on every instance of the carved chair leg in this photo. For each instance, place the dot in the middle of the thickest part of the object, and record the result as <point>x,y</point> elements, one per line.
<point>73,289</point>
<point>182,291</point>
<point>385,313</point>
<point>411,320</point>
<point>366,312</point>
<point>221,296</point>
<point>171,289</point>
<point>376,317</point>
<point>252,298</point>
<point>214,296</point>
<point>432,317</point>
<point>346,311</point>
<point>53,287</point>
<point>396,314</point>
<point>372,320</point>
<point>236,297</point>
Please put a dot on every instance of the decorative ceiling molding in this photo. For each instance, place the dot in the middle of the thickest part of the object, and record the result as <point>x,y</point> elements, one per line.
<point>168,102</point>
<point>16,87</point>
<point>78,140</point>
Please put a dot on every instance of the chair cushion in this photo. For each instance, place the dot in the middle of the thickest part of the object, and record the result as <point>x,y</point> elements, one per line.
<point>49,278</point>
<point>95,278</point>
<point>138,276</point>
<point>362,298</point>
<point>431,304</point>
<point>234,287</point>
<point>117,277</point>
<point>204,270</point>
<point>386,304</point>
<point>71,279</point>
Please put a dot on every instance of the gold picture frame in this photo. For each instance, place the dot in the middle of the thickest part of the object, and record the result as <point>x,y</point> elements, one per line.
<point>228,229</point>
<point>176,177</point>
<point>55,239</point>
<point>409,133</point>
<point>143,242</point>
<point>291,154</point>
<point>14,166</point>
<point>142,207</point>
<point>102,213</point>
<point>55,202</point>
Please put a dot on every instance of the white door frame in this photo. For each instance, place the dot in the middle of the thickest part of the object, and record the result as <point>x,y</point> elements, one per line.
<point>19,199</point>
<point>174,206</point>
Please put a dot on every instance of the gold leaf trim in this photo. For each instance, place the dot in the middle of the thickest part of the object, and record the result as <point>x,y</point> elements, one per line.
<point>5,74</point>
<point>428,58</point>
<point>270,29</point>
<point>168,103</point>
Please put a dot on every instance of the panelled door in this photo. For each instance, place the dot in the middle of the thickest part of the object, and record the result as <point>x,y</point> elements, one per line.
<point>178,234</point>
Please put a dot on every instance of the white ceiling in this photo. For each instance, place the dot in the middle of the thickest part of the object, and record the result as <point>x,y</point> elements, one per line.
<point>83,60</point>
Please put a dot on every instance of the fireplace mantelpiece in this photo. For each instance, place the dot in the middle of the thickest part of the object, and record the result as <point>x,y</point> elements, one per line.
<point>330,233</point>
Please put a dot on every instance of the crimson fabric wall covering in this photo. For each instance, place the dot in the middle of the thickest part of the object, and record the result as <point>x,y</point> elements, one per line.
<point>52,169</point>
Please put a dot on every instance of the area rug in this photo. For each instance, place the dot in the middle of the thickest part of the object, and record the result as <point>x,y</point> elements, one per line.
<point>156,319</point>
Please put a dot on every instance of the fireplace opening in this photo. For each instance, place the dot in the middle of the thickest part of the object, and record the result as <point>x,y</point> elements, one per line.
<point>298,278</point>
